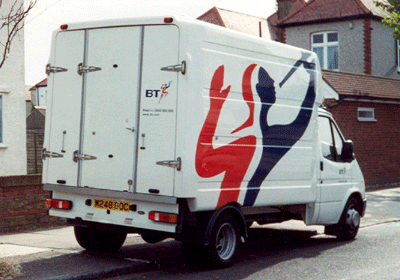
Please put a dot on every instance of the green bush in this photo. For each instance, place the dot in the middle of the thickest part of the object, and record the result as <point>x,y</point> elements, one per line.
<point>9,269</point>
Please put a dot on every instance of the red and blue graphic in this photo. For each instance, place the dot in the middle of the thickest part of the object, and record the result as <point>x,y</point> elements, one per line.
<point>234,159</point>
<point>164,91</point>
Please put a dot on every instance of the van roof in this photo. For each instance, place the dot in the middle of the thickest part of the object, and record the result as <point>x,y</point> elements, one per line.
<point>125,22</point>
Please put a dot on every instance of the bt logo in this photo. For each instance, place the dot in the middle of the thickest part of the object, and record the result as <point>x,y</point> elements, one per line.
<point>156,92</point>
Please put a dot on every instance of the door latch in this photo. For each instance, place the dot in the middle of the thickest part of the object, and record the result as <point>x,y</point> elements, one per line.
<point>176,68</point>
<point>78,156</point>
<point>171,163</point>
<point>86,69</point>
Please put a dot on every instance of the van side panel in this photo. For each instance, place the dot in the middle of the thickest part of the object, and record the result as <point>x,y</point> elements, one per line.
<point>256,122</point>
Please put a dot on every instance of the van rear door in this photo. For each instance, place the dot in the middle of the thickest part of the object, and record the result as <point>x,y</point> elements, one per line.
<point>110,111</point>
<point>64,110</point>
<point>158,109</point>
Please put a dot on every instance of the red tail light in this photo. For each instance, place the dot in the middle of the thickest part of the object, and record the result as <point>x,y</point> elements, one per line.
<point>168,20</point>
<point>163,217</point>
<point>59,204</point>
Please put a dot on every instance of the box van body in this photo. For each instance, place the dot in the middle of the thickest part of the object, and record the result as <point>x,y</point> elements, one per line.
<point>166,126</point>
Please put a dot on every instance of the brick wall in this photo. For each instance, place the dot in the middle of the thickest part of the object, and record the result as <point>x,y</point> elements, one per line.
<point>22,204</point>
<point>376,144</point>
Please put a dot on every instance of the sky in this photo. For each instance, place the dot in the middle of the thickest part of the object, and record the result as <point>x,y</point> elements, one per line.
<point>48,15</point>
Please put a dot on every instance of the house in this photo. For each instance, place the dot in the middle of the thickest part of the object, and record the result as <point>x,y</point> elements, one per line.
<point>363,67</point>
<point>368,113</point>
<point>361,62</point>
<point>39,93</point>
<point>35,123</point>
<point>347,35</point>
<point>12,105</point>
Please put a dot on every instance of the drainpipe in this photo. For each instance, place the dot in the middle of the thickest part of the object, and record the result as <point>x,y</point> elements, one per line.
<point>337,103</point>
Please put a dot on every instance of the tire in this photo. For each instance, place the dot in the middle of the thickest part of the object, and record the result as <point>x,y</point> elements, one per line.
<point>349,222</point>
<point>99,240</point>
<point>153,237</point>
<point>222,249</point>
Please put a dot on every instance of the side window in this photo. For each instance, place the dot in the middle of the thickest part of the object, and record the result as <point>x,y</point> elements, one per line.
<point>331,141</point>
<point>325,134</point>
<point>338,141</point>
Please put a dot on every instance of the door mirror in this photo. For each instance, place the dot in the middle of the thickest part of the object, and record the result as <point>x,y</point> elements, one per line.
<point>348,151</point>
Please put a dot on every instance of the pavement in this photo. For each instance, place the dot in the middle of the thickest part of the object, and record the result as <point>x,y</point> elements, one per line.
<point>55,254</point>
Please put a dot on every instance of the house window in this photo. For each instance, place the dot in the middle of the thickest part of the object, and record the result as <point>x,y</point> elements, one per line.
<point>326,46</point>
<point>1,119</point>
<point>366,114</point>
<point>398,56</point>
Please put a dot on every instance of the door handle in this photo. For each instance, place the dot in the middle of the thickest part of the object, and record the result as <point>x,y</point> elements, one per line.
<point>143,147</point>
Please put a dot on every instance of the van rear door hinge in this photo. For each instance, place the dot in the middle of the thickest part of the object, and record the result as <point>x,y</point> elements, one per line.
<point>86,69</point>
<point>78,156</point>
<point>54,69</point>
<point>50,154</point>
<point>176,68</point>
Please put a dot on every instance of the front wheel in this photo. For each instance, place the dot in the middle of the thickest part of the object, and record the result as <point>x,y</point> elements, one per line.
<point>93,239</point>
<point>222,249</point>
<point>349,222</point>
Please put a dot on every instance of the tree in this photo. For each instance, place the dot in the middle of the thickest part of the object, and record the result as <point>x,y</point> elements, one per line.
<point>11,22</point>
<point>392,21</point>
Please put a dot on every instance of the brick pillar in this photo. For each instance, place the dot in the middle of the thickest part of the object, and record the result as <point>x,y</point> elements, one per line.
<point>367,47</point>
<point>283,35</point>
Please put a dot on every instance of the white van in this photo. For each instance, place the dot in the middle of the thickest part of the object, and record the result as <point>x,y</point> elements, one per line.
<point>171,127</point>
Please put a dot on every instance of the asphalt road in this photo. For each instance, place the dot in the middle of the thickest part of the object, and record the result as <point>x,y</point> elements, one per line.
<point>374,254</point>
<point>283,251</point>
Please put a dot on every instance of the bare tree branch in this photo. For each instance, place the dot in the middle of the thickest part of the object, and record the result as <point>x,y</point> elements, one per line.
<point>11,22</point>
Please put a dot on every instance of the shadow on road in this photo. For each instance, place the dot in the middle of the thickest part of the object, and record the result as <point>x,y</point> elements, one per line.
<point>264,248</point>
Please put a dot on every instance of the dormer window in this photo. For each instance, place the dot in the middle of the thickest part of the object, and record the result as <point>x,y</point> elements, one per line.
<point>326,46</point>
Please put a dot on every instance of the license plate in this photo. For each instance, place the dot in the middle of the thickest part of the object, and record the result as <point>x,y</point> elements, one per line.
<point>111,205</point>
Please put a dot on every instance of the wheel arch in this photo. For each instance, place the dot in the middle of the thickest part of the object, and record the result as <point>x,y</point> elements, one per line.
<point>232,209</point>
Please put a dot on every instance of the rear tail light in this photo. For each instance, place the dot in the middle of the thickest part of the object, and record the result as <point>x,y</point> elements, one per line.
<point>59,204</point>
<point>163,217</point>
<point>168,20</point>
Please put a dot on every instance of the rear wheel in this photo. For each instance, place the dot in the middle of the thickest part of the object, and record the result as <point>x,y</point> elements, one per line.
<point>93,239</point>
<point>222,249</point>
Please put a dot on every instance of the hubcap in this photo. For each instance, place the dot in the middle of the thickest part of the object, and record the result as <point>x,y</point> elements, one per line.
<point>352,218</point>
<point>226,241</point>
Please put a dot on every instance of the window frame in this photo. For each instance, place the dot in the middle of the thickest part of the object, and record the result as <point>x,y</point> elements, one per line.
<point>1,119</point>
<point>325,45</point>
<point>398,55</point>
<point>366,119</point>
<point>336,155</point>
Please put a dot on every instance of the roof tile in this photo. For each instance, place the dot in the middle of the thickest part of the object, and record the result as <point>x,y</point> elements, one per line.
<point>358,85</point>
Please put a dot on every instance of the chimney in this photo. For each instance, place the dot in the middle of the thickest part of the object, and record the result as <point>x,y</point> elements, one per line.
<point>284,8</point>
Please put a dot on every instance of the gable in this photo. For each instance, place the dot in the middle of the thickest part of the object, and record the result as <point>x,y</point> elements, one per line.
<point>212,16</point>
<point>316,11</point>
<point>240,22</point>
